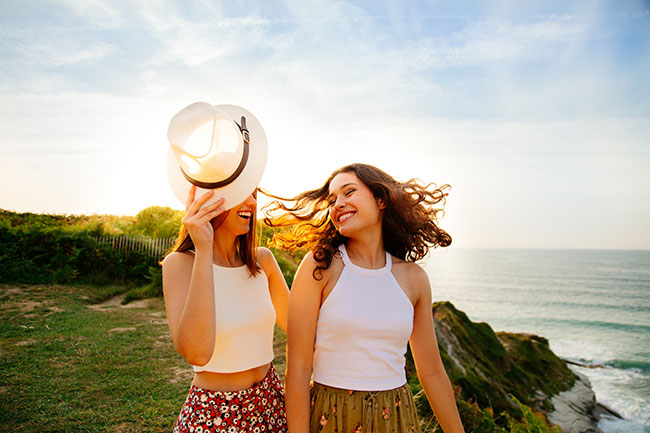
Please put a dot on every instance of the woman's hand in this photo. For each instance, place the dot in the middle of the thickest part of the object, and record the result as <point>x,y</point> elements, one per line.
<point>197,219</point>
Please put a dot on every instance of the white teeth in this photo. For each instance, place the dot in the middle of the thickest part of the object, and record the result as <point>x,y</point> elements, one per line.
<point>245,214</point>
<point>345,217</point>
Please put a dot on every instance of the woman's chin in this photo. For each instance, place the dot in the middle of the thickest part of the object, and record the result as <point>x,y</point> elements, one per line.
<point>347,231</point>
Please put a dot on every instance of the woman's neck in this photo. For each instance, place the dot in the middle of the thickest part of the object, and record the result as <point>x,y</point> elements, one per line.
<point>367,252</point>
<point>224,250</point>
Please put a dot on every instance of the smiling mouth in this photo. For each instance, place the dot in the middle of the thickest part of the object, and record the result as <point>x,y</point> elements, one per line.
<point>245,214</point>
<point>346,216</point>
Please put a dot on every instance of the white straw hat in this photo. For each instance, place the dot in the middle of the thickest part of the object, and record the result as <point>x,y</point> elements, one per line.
<point>221,148</point>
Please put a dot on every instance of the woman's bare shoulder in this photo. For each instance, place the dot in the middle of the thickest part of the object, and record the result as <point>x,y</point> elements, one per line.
<point>176,272</point>
<point>264,255</point>
<point>313,266</point>
<point>178,259</point>
<point>411,271</point>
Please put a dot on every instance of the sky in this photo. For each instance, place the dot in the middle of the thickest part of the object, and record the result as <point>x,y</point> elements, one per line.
<point>537,113</point>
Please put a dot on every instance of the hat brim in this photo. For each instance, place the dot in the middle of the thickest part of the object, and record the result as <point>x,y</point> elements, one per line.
<point>245,184</point>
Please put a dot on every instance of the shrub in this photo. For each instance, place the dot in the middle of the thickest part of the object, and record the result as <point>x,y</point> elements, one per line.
<point>152,289</point>
<point>157,221</point>
<point>37,254</point>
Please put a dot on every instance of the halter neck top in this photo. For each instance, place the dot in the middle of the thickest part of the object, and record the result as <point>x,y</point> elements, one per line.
<point>363,329</point>
<point>245,320</point>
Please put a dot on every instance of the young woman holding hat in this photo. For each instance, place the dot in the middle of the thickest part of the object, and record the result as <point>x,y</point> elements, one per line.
<point>223,294</point>
<point>357,299</point>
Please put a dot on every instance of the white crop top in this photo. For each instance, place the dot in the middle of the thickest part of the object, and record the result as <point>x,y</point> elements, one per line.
<point>245,320</point>
<point>363,329</point>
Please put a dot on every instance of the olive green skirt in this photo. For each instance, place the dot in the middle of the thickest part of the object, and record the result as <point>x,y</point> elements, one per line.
<point>335,410</point>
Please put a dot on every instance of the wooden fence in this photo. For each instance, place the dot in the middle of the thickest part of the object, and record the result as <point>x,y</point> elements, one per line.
<point>153,247</point>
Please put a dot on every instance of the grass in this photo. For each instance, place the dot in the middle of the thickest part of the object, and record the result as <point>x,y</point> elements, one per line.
<point>75,359</point>
<point>72,363</point>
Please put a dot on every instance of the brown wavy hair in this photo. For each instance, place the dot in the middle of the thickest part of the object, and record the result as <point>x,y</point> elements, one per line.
<point>409,222</point>
<point>246,243</point>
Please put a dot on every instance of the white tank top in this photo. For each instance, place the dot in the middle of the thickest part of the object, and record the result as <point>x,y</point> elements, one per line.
<point>245,320</point>
<point>363,329</point>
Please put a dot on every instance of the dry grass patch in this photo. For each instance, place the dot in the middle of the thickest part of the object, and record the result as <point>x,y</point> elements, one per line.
<point>181,375</point>
<point>123,329</point>
<point>27,342</point>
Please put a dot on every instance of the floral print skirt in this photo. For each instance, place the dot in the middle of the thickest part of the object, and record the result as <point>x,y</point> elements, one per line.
<point>347,411</point>
<point>259,409</point>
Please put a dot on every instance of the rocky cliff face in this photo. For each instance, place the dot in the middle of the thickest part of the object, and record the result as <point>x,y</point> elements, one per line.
<point>492,368</point>
<point>574,409</point>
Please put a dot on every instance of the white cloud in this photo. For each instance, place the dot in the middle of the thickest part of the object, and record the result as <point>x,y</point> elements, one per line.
<point>49,59</point>
<point>52,54</point>
<point>97,13</point>
<point>496,40</point>
<point>192,43</point>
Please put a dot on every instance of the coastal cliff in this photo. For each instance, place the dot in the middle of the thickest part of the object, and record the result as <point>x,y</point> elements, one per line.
<point>504,379</point>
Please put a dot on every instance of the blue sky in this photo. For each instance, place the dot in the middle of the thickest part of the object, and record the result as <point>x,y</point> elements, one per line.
<point>537,113</point>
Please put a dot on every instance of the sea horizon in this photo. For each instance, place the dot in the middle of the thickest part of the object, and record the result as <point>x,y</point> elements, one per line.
<point>453,246</point>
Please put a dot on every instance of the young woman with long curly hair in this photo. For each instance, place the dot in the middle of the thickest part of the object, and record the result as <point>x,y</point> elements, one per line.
<point>356,301</point>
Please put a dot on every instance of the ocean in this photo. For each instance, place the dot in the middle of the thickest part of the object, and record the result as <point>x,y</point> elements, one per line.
<point>592,305</point>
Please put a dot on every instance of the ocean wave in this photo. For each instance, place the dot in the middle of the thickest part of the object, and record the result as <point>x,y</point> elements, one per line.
<point>611,425</point>
<point>624,364</point>
<point>629,327</point>
<point>630,308</point>
<point>625,390</point>
<point>621,364</point>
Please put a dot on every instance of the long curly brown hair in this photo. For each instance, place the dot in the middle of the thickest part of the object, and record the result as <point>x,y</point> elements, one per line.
<point>409,222</point>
